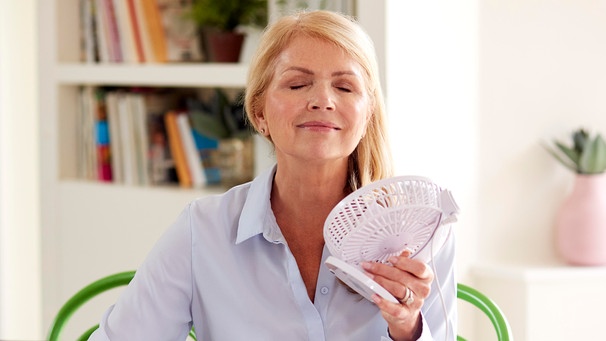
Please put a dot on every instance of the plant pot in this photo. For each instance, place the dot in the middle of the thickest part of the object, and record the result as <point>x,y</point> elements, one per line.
<point>581,222</point>
<point>223,47</point>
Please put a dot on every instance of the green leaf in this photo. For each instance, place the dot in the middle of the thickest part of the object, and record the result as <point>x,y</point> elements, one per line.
<point>593,158</point>
<point>585,156</point>
<point>571,153</point>
<point>579,138</point>
<point>566,162</point>
<point>208,125</point>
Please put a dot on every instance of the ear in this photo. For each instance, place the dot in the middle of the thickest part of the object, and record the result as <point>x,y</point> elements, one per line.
<point>259,118</point>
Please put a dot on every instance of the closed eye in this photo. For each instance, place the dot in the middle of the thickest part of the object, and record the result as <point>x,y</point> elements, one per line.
<point>296,87</point>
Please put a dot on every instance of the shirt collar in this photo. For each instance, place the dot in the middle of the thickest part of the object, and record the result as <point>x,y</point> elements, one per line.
<point>257,216</point>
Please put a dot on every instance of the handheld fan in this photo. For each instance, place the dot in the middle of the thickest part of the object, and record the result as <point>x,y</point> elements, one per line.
<point>383,219</point>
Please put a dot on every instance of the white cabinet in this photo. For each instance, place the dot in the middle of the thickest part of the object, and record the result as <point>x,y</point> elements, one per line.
<point>545,302</point>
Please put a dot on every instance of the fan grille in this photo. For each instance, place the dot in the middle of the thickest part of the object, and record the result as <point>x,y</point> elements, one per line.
<point>383,219</point>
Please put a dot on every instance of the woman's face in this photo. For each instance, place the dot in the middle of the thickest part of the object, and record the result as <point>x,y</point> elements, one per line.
<point>316,106</point>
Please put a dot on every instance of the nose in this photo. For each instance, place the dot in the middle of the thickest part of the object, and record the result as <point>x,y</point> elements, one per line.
<point>321,99</point>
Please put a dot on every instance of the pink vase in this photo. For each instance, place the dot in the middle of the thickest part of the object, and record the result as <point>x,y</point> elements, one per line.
<point>581,222</point>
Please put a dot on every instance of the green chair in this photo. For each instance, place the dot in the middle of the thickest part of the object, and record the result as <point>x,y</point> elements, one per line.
<point>494,313</point>
<point>464,292</point>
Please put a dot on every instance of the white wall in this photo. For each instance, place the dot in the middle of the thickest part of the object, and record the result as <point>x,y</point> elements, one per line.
<point>20,283</point>
<point>473,87</point>
<point>432,89</point>
<point>542,74</point>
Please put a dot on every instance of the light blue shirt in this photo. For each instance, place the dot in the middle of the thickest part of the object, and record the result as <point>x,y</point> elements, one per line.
<point>225,268</point>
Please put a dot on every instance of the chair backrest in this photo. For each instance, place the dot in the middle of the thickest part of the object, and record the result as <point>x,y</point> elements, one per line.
<point>464,292</point>
<point>489,307</point>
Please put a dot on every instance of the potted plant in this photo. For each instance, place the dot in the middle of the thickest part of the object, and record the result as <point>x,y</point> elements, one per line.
<point>581,219</point>
<point>586,155</point>
<point>217,21</point>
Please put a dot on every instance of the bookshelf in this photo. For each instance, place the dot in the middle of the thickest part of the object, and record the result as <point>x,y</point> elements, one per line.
<point>90,229</point>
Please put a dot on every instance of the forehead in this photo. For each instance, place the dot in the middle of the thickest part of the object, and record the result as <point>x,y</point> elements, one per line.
<point>312,53</point>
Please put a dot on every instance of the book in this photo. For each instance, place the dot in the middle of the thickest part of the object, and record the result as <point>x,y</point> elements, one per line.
<point>113,33</point>
<point>88,43</point>
<point>102,141</point>
<point>177,149</point>
<point>192,154</point>
<point>87,160</point>
<point>161,165</point>
<point>140,135</point>
<point>135,28</point>
<point>101,31</point>
<point>142,33</point>
<point>127,138</point>
<point>111,102</point>
<point>125,32</point>
<point>155,30</point>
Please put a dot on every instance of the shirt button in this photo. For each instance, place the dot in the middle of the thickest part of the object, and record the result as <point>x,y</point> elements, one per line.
<point>324,290</point>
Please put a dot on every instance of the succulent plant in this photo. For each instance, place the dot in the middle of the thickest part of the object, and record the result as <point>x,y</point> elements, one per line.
<point>586,155</point>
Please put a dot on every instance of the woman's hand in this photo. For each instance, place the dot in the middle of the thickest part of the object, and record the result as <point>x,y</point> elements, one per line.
<point>409,281</point>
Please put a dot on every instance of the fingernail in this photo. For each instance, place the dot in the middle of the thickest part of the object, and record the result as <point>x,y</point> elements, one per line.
<point>376,298</point>
<point>393,260</point>
<point>366,265</point>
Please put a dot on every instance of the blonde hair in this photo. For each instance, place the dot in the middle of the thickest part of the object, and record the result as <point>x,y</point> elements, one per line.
<point>371,159</point>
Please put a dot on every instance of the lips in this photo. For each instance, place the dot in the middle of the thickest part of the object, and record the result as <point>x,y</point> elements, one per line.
<point>319,125</point>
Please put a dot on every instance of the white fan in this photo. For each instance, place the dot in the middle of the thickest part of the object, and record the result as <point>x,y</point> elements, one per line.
<point>383,219</point>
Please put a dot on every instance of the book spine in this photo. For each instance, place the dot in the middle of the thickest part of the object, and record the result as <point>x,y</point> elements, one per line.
<point>194,162</point>
<point>127,39</point>
<point>146,44</point>
<point>134,21</point>
<point>140,133</point>
<point>86,125</point>
<point>101,31</point>
<point>113,32</point>
<point>129,163</point>
<point>111,102</point>
<point>104,172</point>
<point>177,150</point>
<point>156,30</point>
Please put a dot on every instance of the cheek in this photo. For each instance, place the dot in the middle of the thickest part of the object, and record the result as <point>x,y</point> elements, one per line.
<point>278,108</point>
<point>362,116</point>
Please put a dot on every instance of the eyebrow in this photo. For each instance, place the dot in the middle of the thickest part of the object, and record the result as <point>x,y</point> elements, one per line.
<point>309,72</point>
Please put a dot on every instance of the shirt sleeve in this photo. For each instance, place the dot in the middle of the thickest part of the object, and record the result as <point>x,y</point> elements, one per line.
<point>156,305</point>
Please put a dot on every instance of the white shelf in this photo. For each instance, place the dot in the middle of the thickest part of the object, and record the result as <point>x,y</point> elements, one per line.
<point>179,75</point>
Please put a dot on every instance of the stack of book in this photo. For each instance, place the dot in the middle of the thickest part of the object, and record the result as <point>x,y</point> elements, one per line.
<point>137,137</point>
<point>138,31</point>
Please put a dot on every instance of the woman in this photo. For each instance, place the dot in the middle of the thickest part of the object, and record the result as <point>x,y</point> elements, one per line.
<point>248,264</point>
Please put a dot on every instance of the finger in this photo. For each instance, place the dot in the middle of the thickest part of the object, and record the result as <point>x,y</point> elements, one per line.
<point>393,311</point>
<point>412,266</point>
<point>392,279</point>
